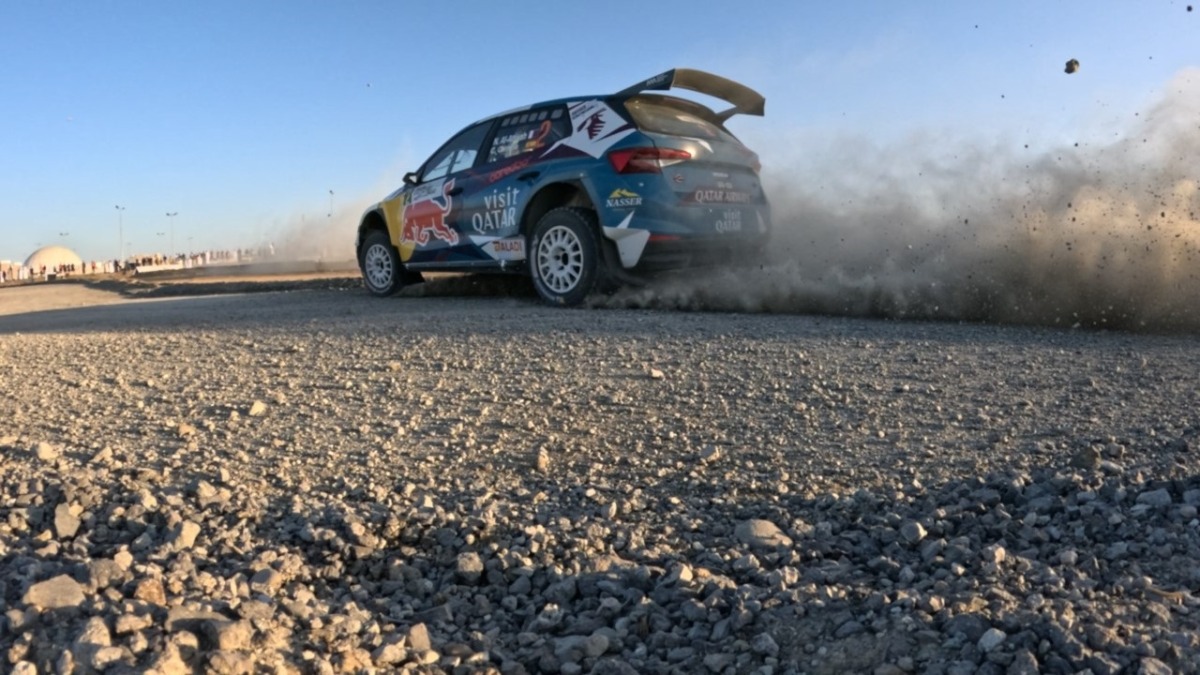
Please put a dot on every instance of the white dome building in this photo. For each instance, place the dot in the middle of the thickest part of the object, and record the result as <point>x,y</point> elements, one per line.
<point>53,257</point>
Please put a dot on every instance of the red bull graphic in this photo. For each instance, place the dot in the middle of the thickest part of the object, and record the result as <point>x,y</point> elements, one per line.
<point>425,214</point>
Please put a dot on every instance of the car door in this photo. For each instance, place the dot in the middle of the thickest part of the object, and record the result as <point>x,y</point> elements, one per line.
<point>506,178</point>
<point>431,220</point>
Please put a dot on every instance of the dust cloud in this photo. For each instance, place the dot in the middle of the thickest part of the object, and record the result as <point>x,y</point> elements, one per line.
<point>326,235</point>
<point>1087,235</point>
<point>324,238</point>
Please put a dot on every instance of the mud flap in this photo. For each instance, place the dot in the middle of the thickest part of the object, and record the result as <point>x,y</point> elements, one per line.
<point>630,242</point>
<point>616,273</point>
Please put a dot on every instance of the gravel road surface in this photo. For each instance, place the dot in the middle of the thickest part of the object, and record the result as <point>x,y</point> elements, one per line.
<point>319,481</point>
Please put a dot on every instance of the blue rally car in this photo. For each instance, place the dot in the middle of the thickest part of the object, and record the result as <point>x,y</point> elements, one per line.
<point>582,194</point>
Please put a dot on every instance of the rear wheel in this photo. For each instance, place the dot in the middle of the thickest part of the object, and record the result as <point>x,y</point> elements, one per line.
<point>380,265</point>
<point>564,255</point>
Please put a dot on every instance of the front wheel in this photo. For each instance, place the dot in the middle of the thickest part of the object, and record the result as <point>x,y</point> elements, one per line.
<point>566,264</point>
<point>380,264</point>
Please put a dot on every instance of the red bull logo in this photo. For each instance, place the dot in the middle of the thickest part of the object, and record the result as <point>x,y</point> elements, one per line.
<point>425,215</point>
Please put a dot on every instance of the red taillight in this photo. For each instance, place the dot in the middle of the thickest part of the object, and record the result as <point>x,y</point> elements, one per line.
<point>646,160</point>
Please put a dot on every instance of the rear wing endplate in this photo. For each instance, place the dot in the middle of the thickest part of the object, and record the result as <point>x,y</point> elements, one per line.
<point>745,100</point>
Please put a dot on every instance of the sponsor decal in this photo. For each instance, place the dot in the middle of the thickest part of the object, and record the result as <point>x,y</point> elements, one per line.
<point>594,125</point>
<point>595,128</point>
<point>730,221</point>
<point>720,196</point>
<point>678,178</point>
<point>500,211</point>
<point>659,80</point>
<point>507,246</point>
<point>506,171</point>
<point>623,199</point>
<point>584,109</point>
<point>503,249</point>
<point>424,216</point>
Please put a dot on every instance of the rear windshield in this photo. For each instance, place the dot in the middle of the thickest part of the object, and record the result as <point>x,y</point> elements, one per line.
<point>675,117</point>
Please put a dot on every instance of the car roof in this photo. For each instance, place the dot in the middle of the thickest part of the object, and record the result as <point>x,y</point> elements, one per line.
<point>543,104</point>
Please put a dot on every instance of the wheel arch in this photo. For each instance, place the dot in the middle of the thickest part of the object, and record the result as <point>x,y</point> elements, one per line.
<point>553,196</point>
<point>372,221</point>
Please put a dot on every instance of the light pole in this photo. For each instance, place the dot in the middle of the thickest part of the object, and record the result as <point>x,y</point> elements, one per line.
<point>120,234</point>
<point>170,220</point>
<point>330,214</point>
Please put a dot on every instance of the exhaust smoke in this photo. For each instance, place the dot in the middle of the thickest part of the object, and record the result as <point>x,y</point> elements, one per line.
<point>1082,235</point>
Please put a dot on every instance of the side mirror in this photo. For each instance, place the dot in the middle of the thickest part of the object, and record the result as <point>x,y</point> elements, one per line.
<point>410,178</point>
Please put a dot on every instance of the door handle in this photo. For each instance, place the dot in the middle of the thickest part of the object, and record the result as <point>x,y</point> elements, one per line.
<point>455,192</point>
<point>529,175</point>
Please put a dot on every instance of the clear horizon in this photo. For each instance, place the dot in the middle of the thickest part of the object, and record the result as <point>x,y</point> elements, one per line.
<point>267,122</point>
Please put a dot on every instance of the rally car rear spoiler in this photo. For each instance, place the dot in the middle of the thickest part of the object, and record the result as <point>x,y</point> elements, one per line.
<point>745,100</point>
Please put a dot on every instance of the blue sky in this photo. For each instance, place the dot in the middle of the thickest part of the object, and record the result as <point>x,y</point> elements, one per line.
<point>242,116</point>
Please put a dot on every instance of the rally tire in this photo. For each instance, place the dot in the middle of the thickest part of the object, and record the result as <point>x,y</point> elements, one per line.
<point>379,261</point>
<point>564,256</point>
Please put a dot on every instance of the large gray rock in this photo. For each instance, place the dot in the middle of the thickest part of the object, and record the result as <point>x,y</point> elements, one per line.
<point>57,593</point>
<point>93,647</point>
<point>469,567</point>
<point>185,536</point>
<point>229,635</point>
<point>1160,497</point>
<point>45,452</point>
<point>418,638</point>
<point>66,524</point>
<point>190,619</point>
<point>103,573</point>
<point>912,531</point>
<point>758,533</point>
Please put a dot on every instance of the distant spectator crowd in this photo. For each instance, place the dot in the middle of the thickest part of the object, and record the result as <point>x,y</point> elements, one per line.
<point>18,272</point>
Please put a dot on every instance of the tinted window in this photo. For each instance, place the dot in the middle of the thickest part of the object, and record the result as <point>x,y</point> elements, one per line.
<point>675,117</point>
<point>529,132</point>
<point>456,155</point>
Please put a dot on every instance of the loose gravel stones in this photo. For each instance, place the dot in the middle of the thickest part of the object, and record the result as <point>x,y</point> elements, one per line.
<point>324,482</point>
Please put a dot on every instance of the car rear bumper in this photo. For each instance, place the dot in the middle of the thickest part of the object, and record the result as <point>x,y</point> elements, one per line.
<point>658,238</point>
<point>680,253</point>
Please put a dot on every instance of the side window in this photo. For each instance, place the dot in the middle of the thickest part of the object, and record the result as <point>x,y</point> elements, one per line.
<point>441,168</point>
<point>457,154</point>
<point>526,132</point>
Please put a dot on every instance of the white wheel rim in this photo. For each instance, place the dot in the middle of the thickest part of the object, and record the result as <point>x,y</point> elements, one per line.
<point>377,266</point>
<point>560,259</point>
